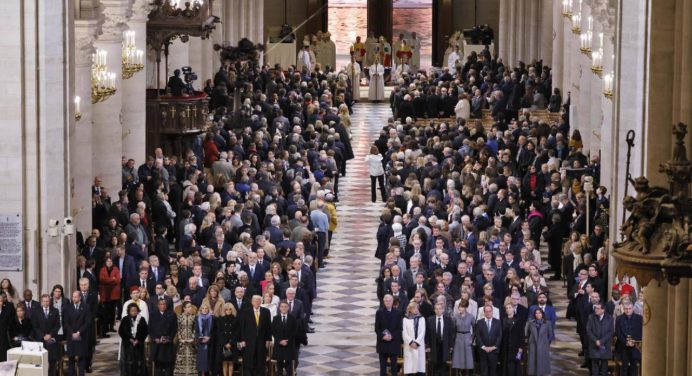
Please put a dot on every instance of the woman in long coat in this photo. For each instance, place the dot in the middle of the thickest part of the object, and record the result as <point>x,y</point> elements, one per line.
<point>186,358</point>
<point>414,341</point>
<point>109,293</point>
<point>6,316</point>
<point>226,332</point>
<point>539,333</point>
<point>204,330</point>
<point>462,358</point>
<point>512,341</point>
<point>133,331</point>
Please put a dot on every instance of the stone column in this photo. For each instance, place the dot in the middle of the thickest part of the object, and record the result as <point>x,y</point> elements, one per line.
<point>519,32</point>
<point>244,19</point>
<point>81,161</point>
<point>532,31</point>
<point>512,37</point>
<point>545,32</point>
<point>107,132</point>
<point>558,46</point>
<point>654,346</point>
<point>134,129</point>
<point>678,328</point>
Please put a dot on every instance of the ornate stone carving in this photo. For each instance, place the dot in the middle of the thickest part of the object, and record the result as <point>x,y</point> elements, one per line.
<point>604,14</point>
<point>657,238</point>
<point>85,35</point>
<point>141,10</point>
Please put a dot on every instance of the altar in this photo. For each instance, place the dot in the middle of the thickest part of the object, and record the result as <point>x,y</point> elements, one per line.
<point>280,53</point>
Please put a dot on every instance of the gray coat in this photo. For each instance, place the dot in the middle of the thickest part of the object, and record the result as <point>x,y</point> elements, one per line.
<point>601,330</point>
<point>538,357</point>
<point>462,357</point>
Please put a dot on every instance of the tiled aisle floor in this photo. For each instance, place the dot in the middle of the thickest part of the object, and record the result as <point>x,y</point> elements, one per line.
<point>344,342</point>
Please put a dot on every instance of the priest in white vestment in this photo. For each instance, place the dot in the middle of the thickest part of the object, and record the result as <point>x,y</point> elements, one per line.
<point>376,89</point>
<point>414,42</point>
<point>305,59</point>
<point>452,60</point>
<point>353,71</point>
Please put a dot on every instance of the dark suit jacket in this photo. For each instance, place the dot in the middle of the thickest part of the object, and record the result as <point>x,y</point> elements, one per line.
<point>485,338</point>
<point>153,304</point>
<point>600,330</point>
<point>254,336</point>
<point>448,336</point>
<point>162,249</point>
<point>244,305</point>
<point>284,331</point>
<point>42,326</point>
<point>162,271</point>
<point>625,327</point>
<point>29,312</point>
<point>128,273</point>
<point>256,278</point>
<point>77,320</point>
<point>391,321</point>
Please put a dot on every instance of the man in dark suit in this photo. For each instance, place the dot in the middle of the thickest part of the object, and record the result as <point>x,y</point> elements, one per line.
<point>76,327</point>
<point>219,245</point>
<point>628,329</point>
<point>46,324</point>
<point>195,292</point>
<point>161,247</point>
<point>599,330</point>
<point>254,271</point>
<point>255,337</point>
<point>284,331</point>
<point>90,300</point>
<point>163,327</point>
<point>388,329</point>
<point>127,267</point>
<point>297,309</point>
<point>488,339</point>
<point>146,280</point>
<point>92,252</point>
<point>29,303</point>
<point>159,295</point>
<point>239,302</point>
<point>156,271</point>
<point>439,340</point>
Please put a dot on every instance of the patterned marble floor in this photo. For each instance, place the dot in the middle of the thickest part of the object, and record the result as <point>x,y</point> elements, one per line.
<point>344,311</point>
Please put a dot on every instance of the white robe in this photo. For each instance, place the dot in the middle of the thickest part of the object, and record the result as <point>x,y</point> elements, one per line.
<point>353,70</point>
<point>376,89</point>
<point>304,59</point>
<point>452,61</point>
<point>330,52</point>
<point>371,45</point>
<point>415,59</point>
<point>414,359</point>
<point>463,109</point>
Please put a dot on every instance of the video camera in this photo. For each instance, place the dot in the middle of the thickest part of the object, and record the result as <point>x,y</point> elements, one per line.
<point>189,77</point>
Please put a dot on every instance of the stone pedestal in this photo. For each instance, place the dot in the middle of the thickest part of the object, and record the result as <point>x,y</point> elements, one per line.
<point>654,344</point>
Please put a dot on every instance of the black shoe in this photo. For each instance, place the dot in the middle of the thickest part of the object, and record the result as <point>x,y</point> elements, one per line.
<point>581,353</point>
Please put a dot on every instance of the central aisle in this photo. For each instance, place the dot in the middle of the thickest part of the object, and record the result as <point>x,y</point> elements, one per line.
<point>344,311</point>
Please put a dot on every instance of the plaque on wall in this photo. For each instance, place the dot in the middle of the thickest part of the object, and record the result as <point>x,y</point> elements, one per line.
<point>11,242</point>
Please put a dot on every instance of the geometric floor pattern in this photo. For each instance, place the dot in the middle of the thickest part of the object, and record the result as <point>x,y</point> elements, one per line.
<point>344,311</point>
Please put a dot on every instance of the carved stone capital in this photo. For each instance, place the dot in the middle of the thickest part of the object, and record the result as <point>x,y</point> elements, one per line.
<point>116,14</point>
<point>604,14</point>
<point>141,10</point>
<point>86,32</point>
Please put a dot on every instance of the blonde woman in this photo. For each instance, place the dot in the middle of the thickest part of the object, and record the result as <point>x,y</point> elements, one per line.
<point>376,170</point>
<point>226,332</point>
<point>413,335</point>
<point>214,300</point>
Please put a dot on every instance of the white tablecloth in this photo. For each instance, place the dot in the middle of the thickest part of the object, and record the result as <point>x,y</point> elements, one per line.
<point>280,53</point>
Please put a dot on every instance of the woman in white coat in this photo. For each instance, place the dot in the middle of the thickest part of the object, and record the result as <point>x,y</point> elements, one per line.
<point>463,108</point>
<point>376,170</point>
<point>414,341</point>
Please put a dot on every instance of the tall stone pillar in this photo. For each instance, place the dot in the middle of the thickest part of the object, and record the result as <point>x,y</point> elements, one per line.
<point>81,161</point>
<point>504,32</point>
<point>520,32</point>
<point>654,346</point>
<point>532,30</point>
<point>244,19</point>
<point>558,46</point>
<point>134,91</point>
<point>545,32</point>
<point>108,118</point>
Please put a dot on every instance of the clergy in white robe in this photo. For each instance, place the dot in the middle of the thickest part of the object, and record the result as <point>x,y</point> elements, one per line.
<point>305,59</point>
<point>376,89</point>
<point>415,48</point>
<point>353,71</point>
<point>452,60</point>
<point>329,50</point>
<point>371,48</point>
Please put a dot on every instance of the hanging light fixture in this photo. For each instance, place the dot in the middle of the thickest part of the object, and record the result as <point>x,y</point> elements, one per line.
<point>608,85</point>
<point>77,112</point>
<point>597,58</point>
<point>576,20</point>
<point>133,59</point>
<point>567,8</point>
<point>102,81</point>
<point>586,38</point>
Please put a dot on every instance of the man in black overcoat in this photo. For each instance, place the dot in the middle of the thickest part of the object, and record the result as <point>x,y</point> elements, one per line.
<point>163,326</point>
<point>45,321</point>
<point>255,337</point>
<point>439,340</point>
<point>76,327</point>
<point>488,339</point>
<point>628,330</point>
<point>388,329</point>
<point>284,331</point>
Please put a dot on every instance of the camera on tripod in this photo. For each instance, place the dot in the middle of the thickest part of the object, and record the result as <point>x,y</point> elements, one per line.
<point>189,76</point>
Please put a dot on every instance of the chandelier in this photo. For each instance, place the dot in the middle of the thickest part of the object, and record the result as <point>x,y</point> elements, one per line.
<point>608,85</point>
<point>567,8</point>
<point>133,59</point>
<point>188,9</point>
<point>586,38</point>
<point>597,58</point>
<point>576,20</point>
<point>102,81</point>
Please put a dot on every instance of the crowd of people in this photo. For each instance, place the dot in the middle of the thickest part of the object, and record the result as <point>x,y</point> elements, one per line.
<point>467,209</point>
<point>211,257</point>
